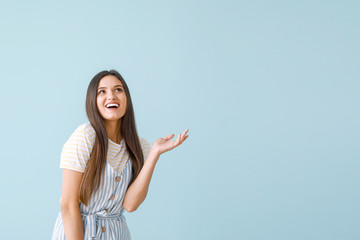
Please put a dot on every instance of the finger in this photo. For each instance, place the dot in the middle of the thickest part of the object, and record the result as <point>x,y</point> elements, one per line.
<point>184,133</point>
<point>178,140</point>
<point>183,136</point>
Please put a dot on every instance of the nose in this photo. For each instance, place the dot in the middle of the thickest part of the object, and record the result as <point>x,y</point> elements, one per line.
<point>111,95</point>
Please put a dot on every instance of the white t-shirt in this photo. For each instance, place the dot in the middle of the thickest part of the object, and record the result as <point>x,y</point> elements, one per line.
<point>77,149</point>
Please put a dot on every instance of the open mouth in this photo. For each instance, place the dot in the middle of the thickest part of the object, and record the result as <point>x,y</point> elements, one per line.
<point>112,106</point>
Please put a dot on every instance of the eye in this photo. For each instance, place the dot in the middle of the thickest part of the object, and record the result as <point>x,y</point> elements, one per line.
<point>101,91</point>
<point>119,89</point>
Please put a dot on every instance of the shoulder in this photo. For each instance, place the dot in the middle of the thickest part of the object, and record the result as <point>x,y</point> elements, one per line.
<point>83,136</point>
<point>77,149</point>
<point>144,142</point>
<point>84,131</point>
<point>86,128</point>
<point>145,146</point>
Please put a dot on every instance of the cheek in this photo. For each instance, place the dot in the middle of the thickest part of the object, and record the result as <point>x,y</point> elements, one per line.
<point>99,103</point>
<point>125,104</point>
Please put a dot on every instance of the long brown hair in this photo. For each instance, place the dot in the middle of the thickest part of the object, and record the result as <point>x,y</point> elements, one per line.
<point>96,164</point>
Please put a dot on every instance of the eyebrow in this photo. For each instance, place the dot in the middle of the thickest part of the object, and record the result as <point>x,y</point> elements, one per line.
<point>114,86</point>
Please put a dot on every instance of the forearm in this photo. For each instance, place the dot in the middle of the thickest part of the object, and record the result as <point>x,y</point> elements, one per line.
<point>72,222</point>
<point>137,191</point>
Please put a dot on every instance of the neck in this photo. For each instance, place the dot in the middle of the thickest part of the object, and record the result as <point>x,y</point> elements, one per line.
<point>113,130</point>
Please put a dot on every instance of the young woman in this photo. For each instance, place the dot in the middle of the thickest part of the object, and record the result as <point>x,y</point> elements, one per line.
<point>106,166</point>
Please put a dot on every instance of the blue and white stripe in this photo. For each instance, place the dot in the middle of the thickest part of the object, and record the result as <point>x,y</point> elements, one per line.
<point>103,217</point>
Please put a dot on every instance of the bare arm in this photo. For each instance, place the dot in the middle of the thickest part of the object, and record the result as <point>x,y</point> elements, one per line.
<point>70,210</point>
<point>137,191</point>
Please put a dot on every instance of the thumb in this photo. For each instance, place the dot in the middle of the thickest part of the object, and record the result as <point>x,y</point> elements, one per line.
<point>168,137</point>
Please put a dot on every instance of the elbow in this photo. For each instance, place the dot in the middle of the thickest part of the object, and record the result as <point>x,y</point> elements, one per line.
<point>131,204</point>
<point>130,208</point>
<point>68,207</point>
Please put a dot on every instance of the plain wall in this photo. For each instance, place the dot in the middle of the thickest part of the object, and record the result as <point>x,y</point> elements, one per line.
<point>269,91</point>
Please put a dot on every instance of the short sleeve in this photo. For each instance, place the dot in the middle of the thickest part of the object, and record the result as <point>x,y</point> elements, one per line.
<point>145,147</point>
<point>77,150</point>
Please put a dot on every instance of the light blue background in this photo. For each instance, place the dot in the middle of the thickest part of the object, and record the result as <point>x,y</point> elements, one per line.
<point>268,89</point>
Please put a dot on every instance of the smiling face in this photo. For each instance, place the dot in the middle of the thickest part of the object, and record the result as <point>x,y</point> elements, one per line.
<point>110,90</point>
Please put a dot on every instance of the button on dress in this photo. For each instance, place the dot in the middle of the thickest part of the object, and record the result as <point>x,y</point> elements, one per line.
<point>103,218</point>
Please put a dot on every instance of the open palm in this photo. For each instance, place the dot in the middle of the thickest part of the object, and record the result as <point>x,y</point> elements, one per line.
<point>163,145</point>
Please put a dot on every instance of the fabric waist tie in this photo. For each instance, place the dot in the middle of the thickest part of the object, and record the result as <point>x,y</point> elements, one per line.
<point>93,223</point>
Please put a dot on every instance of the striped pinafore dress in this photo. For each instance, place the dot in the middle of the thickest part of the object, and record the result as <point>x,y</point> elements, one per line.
<point>103,217</point>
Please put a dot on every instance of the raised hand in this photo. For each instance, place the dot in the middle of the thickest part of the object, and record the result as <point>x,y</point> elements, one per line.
<point>163,145</point>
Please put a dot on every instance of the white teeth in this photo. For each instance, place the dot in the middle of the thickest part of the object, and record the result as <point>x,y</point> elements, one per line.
<point>112,105</point>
